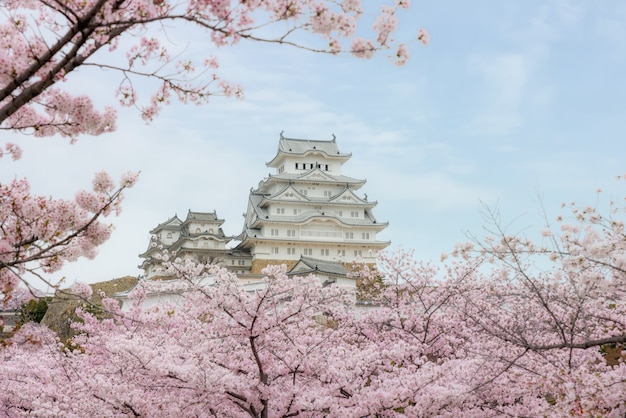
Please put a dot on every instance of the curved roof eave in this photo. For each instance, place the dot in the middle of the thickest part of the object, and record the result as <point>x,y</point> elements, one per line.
<point>301,147</point>
<point>169,224</point>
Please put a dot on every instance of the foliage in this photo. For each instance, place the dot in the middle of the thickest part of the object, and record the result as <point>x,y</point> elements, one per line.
<point>33,311</point>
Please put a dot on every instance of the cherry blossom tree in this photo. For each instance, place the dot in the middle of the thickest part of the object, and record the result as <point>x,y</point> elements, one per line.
<point>543,315</point>
<point>220,351</point>
<point>495,331</point>
<point>39,234</point>
<point>43,42</point>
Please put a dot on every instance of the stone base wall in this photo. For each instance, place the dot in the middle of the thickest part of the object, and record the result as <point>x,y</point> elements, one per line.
<point>258,265</point>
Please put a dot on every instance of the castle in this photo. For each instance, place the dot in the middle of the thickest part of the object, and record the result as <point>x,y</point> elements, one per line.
<point>307,215</point>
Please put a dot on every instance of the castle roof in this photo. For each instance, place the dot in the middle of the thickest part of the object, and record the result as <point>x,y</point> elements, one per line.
<point>302,147</point>
<point>313,265</point>
<point>203,217</point>
<point>172,223</point>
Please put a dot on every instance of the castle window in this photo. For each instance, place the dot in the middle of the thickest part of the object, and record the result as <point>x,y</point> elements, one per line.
<point>274,232</point>
<point>211,231</point>
<point>291,250</point>
<point>354,214</point>
<point>324,252</point>
<point>169,235</point>
<point>349,235</point>
<point>341,253</point>
<point>197,230</point>
<point>308,251</point>
<point>365,235</point>
<point>280,211</point>
<point>275,250</point>
<point>357,253</point>
<point>327,193</point>
<point>297,166</point>
<point>326,167</point>
<point>291,232</point>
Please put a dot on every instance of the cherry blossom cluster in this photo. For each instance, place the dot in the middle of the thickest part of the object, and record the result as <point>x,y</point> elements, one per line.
<point>40,234</point>
<point>42,43</point>
<point>499,330</point>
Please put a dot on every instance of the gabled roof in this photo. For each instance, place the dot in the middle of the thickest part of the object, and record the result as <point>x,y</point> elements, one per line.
<point>301,147</point>
<point>172,223</point>
<point>354,199</point>
<point>288,193</point>
<point>317,174</point>
<point>311,265</point>
<point>203,217</point>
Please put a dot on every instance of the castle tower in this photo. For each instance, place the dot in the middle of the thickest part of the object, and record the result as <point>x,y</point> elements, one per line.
<point>199,238</point>
<point>309,208</point>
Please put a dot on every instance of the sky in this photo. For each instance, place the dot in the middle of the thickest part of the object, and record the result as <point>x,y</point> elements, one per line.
<point>516,106</point>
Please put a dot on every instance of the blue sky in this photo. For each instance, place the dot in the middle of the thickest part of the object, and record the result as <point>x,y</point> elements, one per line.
<point>514,105</point>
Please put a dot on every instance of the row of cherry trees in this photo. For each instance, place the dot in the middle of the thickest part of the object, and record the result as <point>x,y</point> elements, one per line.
<point>506,327</point>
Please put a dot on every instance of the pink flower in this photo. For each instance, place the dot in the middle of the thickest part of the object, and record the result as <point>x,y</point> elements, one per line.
<point>82,290</point>
<point>423,37</point>
<point>102,182</point>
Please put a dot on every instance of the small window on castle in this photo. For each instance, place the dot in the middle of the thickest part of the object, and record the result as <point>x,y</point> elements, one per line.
<point>349,235</point>
<point>326,167</point>
<point>211,231</point>
<point>169,235</point>
<point>308,251</point>
<point>341,253</point>
<point>365,235</point>
<point>280,211</point>
<point>291,250</point>
<point>197,230</point>
<point>275,250</point>
<point>324,252</point>
<point>357,253</point>
<point>297,166</point>
<point>274,232</point>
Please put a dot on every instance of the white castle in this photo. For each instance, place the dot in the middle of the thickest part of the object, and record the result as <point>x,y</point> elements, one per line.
<point>307,215</point>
